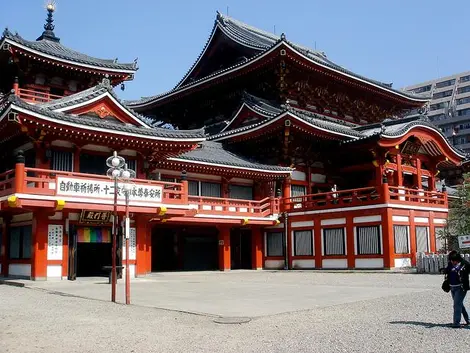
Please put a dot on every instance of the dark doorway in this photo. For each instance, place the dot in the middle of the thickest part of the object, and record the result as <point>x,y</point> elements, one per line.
<point>200,253</point>
<point>164,256</point>
<point>91,257</point>
<point>240,249</point>
<point>184,249</point>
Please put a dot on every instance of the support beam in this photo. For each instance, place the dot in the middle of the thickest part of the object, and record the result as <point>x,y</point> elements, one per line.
<point>39,247</point>
<point>224,249</point>
<point>257,248</point>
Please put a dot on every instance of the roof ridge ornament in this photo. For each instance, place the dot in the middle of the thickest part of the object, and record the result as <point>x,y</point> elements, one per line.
<point>106,82</point>
<point>49,26</point>
<point>283,36</point>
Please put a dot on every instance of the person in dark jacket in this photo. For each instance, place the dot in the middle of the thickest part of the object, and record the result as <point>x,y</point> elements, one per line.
<point>458,275</point>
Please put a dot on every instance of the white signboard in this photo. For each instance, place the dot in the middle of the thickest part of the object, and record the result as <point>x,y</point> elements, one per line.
<point>464,242</point>
<point>105,189</point>
<point>54,242</point>
<point>132,245</point>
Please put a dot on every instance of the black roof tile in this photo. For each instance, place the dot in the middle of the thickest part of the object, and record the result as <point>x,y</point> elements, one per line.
<point>112,126</point>
<point>61,52</point>
<point>215,153</point>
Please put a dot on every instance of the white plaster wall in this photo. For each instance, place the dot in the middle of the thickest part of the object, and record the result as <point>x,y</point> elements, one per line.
<point>366,219</point>
<point>404,262</point>
<point>318,178</point>
<point>440,221</point>
<point>421,220</point>
<point>241,181</point>
<point>274,264</point>
<point>23,217</point>
<point>54,271</point>
<point>400,218</point>
<point>302,224</point>
<point>335,263</point>
<point>301,264</point>
<point>331,222</point>
<point>19,270</point>
<point>301,176</point>
<point>369,263</point>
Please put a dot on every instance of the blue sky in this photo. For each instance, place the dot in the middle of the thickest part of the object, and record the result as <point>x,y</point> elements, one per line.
<point>399,41</point>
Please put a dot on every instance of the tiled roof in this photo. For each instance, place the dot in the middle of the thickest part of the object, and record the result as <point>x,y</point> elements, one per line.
<point>214,153</point>
<point>87,95</point>
<point>61,52</point>
<point>273,111</point>
<point>262,41</point>
<point>102,124</point>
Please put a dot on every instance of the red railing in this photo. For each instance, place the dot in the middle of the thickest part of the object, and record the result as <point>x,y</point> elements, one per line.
<point>216,206</point>
<point>343,198</point>
<point>413,196</point>
<point>51,182</point>
<point>34,96</point>
<point>7,183</point>
<point>365,196</point>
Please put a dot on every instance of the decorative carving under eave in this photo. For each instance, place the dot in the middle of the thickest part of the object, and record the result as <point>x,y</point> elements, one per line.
<point>282,72</point>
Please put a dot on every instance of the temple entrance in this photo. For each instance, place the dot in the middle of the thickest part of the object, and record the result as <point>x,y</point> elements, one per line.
<point>184,249</point>
<point>240,249</point>
<point>90,249</point>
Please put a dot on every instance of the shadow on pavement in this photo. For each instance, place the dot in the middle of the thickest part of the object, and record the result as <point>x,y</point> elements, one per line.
<point>423,324</point>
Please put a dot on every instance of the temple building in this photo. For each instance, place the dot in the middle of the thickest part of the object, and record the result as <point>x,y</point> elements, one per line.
<point>276,158</point>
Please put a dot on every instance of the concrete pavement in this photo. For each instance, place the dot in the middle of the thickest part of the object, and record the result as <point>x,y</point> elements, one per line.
<point>246,293</point>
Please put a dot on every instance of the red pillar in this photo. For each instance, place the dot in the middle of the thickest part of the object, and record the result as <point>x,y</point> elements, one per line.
<point>257,248</point>
<point>317,242</point>
<point>432,233</point>
<point>65,246</point>
<point>224,249</point>
<point>412,238</point>
<point>350,242</point>
<point>388,238</point>
<point>419,179</point>
<point>399,171</point>
<point>142,249</point>
<point>39,247</point>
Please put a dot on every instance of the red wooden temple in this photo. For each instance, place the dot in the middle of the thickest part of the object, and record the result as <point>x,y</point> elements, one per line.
<point>275,158</point>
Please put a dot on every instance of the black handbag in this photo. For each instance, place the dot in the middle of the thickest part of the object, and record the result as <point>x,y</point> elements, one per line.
<point>446,285</point>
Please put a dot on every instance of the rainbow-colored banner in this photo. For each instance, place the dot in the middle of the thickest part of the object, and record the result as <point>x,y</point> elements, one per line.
<point>93,235</point>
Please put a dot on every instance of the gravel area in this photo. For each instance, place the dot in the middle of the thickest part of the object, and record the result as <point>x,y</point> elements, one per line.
<point>34,320</point>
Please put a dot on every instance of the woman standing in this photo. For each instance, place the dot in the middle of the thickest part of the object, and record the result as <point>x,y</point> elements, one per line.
<point>458,276</point>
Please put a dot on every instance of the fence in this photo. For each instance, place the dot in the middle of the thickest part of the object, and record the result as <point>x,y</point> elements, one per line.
<point>432,263</point>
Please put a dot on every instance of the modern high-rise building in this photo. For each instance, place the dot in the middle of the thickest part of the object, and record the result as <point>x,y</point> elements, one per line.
<point>450,106</point>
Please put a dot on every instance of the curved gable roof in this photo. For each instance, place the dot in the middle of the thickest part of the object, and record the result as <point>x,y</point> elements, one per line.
<point>262,42</point>
<point>56,51</point>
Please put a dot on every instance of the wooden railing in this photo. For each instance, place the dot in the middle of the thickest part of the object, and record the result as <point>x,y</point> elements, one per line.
<point>34,96</point>
<point>7,182</point>
<point>219,206</point>
<point>81,185</point>
<point>365,196</point>
<point>336,199</point>
<point>413,196</point>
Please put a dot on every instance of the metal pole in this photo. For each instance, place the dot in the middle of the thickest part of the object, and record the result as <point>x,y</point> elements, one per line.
<point>115,229</point>
<point>128,275</point>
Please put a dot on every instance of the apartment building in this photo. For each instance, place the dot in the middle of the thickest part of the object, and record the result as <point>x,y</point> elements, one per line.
<point>450,106</point>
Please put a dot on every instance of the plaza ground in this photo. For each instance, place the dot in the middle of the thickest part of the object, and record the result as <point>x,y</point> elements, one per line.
<point>186,312</point>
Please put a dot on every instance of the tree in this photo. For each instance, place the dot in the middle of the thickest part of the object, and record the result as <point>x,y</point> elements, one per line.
<point>459,215</point>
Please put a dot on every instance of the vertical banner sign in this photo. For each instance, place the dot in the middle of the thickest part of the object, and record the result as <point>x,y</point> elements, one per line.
<point>54,242</point>
<point>132,245</point>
